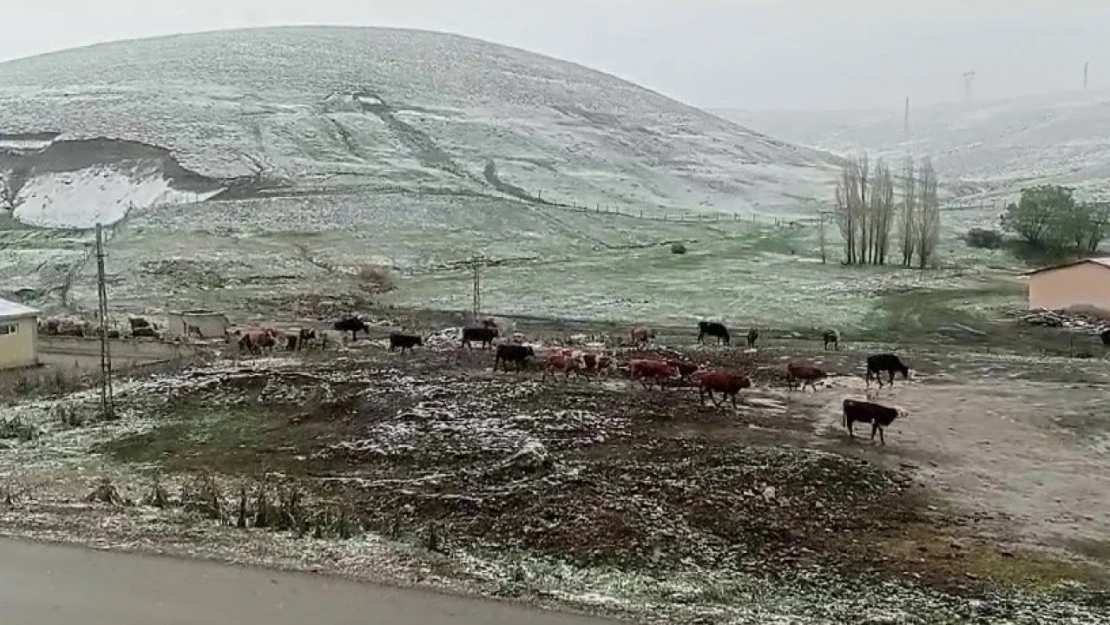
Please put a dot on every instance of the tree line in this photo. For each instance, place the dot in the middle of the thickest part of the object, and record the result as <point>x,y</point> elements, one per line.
<point>875,209</point>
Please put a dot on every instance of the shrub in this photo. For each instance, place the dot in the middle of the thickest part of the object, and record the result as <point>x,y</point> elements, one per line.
<point>376,279</point>
<point>678,248</point>
<point>984,238</point>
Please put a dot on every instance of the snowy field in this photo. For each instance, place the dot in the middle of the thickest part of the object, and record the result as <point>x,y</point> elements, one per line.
<point>986,150</point>
<point>256,258</point>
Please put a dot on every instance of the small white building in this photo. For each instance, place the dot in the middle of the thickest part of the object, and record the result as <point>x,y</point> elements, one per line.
<point>197,324</point>
<point>19,339</point>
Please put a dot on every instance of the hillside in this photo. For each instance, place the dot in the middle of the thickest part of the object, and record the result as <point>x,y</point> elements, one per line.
<point>325,110</point>
<point>987,150</point>
<point>247,170</point>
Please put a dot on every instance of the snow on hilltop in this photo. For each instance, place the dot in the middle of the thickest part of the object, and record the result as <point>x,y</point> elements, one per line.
<point>324,109</point>
<point>987,149</point>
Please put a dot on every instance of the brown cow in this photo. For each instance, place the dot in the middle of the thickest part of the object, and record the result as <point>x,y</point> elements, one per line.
<point>559,360</point>
<point>804,372</point>
<point>595,363</point>
<point>728,383</point>
<point>649,371</point>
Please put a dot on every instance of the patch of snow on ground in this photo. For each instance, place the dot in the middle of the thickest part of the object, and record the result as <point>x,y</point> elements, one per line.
<point>83,198</point>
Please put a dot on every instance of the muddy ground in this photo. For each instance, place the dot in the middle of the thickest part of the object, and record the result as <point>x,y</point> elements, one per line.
<point>990,500</point>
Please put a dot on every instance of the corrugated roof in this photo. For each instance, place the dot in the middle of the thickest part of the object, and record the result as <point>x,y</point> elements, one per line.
<point>11,310</point>
<point>1099,260</point>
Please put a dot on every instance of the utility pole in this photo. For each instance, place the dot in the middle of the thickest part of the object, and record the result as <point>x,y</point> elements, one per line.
<point>1086,67</point>
<point>107,398</point>
<point>477,262</point>
<point>968,77</point>
<point>906,121</point>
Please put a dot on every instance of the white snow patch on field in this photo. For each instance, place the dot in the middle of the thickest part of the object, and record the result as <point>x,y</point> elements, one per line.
<point>83,198</point>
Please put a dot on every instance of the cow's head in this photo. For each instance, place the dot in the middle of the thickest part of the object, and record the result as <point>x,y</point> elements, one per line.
<point>902,412</point>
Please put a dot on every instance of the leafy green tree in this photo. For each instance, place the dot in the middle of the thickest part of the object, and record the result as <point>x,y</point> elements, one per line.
<point>1034,216</point>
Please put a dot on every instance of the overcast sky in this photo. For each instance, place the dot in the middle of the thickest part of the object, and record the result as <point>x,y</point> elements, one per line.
<point>752,54</point>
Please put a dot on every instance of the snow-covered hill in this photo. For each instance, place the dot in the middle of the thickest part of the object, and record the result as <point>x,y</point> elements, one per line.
<point>310,110</point>
<point>987,149</point>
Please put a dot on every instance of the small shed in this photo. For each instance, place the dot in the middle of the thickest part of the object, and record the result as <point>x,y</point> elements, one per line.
<point>202,324</point>
<point>1081,283</point>
<point>19,340</point>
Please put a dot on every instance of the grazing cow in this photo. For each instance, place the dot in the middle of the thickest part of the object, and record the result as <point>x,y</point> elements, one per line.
<point>877,415</point>
<point>306,337</point>
<point>833,337</point>
<point>560,360</point>
<point>138,322</point>
<point>484,336</point>
<point>258,341</point>
<point>354,325</point>
<point>805,373</point>
<point>145,332</point>
<point>595,363</point>
<point>650,371</point>
<point>753,336</point>
<point>728,383</point>
<point>515,353</point>
<point>712,328</point>
<point>404,341</point>
<point>642,335</point>
<point>885,363</point>
<point>292,342</point>
<point>685,368</point>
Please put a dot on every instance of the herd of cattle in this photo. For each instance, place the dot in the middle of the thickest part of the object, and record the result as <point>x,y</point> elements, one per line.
<point>597,363</point>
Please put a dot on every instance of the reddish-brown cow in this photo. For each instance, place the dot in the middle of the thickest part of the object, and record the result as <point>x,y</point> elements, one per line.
<point>650,371</point>
<point>804,372</point>
<point>559,360</point>
<point>728,383</point>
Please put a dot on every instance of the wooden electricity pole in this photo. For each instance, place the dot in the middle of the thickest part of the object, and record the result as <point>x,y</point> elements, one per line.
<point>477,286</point>
<point>107,398</point>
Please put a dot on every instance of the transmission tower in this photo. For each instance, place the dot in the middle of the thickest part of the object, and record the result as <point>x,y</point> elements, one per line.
<point>968,78</point>
<point>1086,67</point>
<point>107,397</point>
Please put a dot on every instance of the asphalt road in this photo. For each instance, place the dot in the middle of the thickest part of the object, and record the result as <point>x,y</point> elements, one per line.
<point>56,585</point>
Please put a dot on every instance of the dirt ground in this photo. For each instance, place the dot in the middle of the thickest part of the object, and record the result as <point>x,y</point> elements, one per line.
<point>995,482</point>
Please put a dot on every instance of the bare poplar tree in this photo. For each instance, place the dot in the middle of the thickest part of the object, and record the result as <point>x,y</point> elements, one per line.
<point>928,223</point>
<point>846,213</point>
<point>863,209</point>
<point>882,212</point>
<point>907,219</point>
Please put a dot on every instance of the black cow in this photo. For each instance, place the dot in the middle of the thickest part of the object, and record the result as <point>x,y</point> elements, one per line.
<point>753,336</point>
<point>354,325</point>
<point>832,336</point>
<point>144,332</point>
<point>138,322</point>
<point>511,352</point>
<point>877,415</point>
<point>712,328</point>
<point>885,363</point>
<point>1105,336</point>
<point>404,341</point>
<point>484,336</point>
